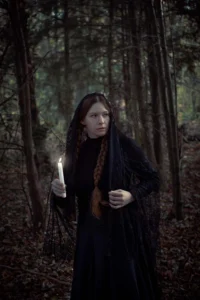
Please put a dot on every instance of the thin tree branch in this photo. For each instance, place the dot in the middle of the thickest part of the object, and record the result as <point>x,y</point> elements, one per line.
<point>29,75</point>
<point>14,144</point>
<point>36,273</point>
<point>4,52</point>
<point>8,99</point>
<point>7,148</point>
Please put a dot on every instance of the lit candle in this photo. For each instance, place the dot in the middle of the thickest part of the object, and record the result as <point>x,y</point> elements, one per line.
<point>61,175</point>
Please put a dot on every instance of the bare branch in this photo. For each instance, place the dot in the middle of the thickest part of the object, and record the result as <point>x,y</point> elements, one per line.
<point>14,144</point>
<point>36,273</point>
<point>4,52</point>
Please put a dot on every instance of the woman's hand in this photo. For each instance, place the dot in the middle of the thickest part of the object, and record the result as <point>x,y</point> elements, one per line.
<point>58,187</point>
<point>119,198</point>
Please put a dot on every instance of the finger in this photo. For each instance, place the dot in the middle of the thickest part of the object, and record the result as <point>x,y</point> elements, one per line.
<point>58,189</point>
<point>58,194</point>
<point>58,184</point>
<point>115,194</point>
<point>115,207</point>
<point>115,191</point>
<point>56,180</point>
<point>115,198</point>
<point>62,196</point>
<point>115,203</point>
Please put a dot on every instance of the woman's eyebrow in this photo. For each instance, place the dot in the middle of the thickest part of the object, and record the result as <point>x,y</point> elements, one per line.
<point>97,112</point>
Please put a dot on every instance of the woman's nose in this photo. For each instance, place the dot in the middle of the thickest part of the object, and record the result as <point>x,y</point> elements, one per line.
<point>101,119</point>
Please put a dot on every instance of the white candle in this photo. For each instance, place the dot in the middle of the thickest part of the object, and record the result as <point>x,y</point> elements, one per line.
<point>61,175</point>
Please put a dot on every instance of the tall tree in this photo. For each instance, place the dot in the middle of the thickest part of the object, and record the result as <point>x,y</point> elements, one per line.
<point>66,104</point>
<point>167,102</point>
<point>132,124</point>
<point>138,78</point>
<point>154,88</point>
<point>110,50</point>
<point>38,131</point>
<point>16,13</point>
<point>172,113</point>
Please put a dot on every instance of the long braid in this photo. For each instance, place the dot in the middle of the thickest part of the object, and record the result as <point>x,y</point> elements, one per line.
<point>96,199</point>
<point>100,162</point>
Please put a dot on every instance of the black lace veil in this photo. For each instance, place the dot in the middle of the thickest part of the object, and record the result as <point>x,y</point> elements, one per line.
<point>128,169</point>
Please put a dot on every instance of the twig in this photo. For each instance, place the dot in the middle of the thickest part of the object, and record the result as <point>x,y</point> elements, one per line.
<point>15,144</point>
<point>36,273</point>
<point>7,99</point>
<point>7,148</point>
<point>28,76</point>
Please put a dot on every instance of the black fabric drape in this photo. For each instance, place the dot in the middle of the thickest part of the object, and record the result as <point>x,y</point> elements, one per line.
<point>134,229</point>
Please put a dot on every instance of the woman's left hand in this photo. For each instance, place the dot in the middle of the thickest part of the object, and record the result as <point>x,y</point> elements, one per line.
<point>119,198</point>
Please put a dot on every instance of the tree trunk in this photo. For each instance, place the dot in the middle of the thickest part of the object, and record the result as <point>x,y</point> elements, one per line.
<point>38,131</point>
<point>169,128</point>
<point>131,126</point>
<point>110,52</point>
<point>161,78</point>
<point>138,80</point>
<point>57,66</point>
<point>154,90</point>
<point>173,117</point>
<point>66,105</point>
<point>22,73</point>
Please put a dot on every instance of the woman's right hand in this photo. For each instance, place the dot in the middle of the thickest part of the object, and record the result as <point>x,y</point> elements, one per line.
<point>58,187</point>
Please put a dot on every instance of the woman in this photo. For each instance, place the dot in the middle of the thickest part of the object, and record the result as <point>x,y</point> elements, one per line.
<point>116,189</point>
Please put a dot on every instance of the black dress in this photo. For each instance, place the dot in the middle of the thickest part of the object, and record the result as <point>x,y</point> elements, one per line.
<point>98,274</point>
<point>90,279</point>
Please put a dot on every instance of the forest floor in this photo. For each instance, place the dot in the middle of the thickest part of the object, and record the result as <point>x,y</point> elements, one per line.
<point>26,275</point>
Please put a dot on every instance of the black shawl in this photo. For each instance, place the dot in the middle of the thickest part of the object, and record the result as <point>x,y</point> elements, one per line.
<point>129,169</point>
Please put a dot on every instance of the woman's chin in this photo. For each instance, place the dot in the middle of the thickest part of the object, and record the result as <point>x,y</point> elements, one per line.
<point>101,133</point>
<point>97,134</point>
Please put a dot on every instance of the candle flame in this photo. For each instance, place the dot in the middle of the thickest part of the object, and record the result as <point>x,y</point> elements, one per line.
<point>60,159</point>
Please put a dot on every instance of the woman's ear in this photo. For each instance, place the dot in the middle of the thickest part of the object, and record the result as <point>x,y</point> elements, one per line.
<point>82,123</point>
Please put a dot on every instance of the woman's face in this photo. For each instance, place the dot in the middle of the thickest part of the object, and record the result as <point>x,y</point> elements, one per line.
<point>96,121</point>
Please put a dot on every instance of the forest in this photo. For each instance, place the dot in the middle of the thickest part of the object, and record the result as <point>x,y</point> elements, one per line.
<point>144,56</point>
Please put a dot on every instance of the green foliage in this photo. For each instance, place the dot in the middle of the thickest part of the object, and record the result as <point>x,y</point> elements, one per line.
<point>87,46</point>
<point>188,91</point>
